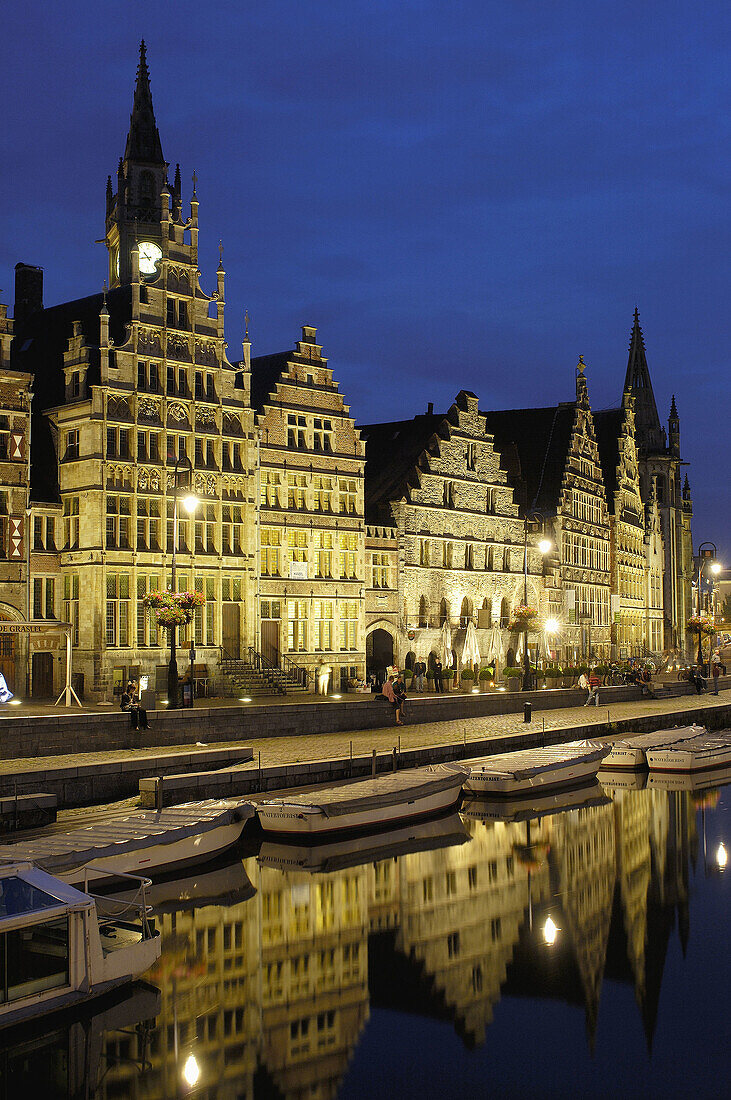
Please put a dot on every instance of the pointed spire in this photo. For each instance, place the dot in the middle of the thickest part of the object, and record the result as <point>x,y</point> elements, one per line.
<point>673,409</point>
<point>104,310</point>
<point>220,255</point>
<point>246,337</point>
<point>637,380</point>
<point>582,393</point>
<point>143,139</point>
<point>176,182</point>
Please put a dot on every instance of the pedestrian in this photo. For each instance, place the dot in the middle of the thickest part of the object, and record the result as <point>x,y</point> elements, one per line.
<point>137,713</point>
<point>696,679</point>
<point>323,677</point>
<point>389,695</point>
<point>584,685</point>
<point>438,685</point>
<point>399,691</point>
<point>716,667</point>
<point>419,674</point>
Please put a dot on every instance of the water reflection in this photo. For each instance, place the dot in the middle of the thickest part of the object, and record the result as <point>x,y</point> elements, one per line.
<point>271,966</point>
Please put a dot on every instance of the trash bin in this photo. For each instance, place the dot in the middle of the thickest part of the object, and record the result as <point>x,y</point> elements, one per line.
<point>188,695</point>
<point>148,699</point>
<point>527,712</point>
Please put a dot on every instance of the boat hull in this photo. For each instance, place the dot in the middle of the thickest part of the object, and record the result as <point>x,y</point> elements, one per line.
<point>572,772</point>
<point>303,820</point>
<point>686,760</point>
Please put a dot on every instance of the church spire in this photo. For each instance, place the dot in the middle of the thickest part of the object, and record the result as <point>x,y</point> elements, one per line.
<point>650,435</point>
<point>143,139</point>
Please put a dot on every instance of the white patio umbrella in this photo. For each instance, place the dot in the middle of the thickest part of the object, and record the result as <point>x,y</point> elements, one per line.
<point>494,644</point>
<point>471,650</point>
<point>446,646</point>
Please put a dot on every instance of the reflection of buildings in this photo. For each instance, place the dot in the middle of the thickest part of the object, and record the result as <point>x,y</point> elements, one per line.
<point>271,994</point>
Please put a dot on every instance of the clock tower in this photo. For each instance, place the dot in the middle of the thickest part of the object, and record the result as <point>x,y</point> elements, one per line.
<point>135,213</point>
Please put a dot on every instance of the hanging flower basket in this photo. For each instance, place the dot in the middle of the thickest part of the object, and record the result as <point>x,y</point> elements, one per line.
<point>524,619</point>
<point>174,610</point>
<point>701,624</point>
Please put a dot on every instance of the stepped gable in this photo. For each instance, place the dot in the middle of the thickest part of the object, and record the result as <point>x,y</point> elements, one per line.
<point>392,453</point>
<point>266,370</point>
<point>534,444</point>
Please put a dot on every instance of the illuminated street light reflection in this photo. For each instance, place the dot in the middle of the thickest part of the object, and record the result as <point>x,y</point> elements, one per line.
<point>721,857</point>
<point>550,931</point>
<point>191,1071</point>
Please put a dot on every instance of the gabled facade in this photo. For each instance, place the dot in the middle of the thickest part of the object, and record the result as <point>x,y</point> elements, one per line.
<point>437,480</point>
<point>553,460</point>
<point>311,524</point>
<point>141,401</point>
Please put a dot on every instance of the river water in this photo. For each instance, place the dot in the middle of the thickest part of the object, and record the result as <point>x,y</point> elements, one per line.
<point>578,948</point>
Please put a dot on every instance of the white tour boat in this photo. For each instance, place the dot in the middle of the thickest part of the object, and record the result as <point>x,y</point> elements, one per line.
<point>510,773</point>
<point>141,842</point>
<point>623,779</point>
<point>354,851</point>
<point>631,752</point>
<point>366,803</point>
<point>710,779</point>
<point>61,948</point>
<point>709,750</point>
<point>534,804</point>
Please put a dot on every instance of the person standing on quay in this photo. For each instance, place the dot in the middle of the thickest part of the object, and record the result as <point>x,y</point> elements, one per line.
<point>438,685</point>
<point>716,669</point>
<point>419,674</point>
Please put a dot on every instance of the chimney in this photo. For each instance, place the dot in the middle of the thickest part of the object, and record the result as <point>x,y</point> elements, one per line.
<point>28,292</point>
<point>430,408</point>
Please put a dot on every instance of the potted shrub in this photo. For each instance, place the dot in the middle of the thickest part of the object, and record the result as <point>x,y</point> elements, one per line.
<point>513,678</point>
<point>467,677</point>
<point>407,675</point>
<point>486,679</point>
<point>553,675</point>
<point>569,675</point>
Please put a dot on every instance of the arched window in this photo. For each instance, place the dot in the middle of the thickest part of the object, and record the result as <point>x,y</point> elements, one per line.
<point>465,612</point>
<point>410,660</point>
<point>443,612</point>
<point>660,489</point>
<point>504,613</point>
<point>423,611</point>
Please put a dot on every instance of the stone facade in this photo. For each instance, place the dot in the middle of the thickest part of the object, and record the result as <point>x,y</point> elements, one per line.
<point>438,482</point>
<point>311,526</point>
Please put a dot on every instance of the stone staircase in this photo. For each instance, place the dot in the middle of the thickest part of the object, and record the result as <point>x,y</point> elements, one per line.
<point>256,676</point>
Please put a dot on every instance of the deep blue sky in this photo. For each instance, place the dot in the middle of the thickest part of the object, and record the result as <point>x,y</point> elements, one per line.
<point>457,194</point>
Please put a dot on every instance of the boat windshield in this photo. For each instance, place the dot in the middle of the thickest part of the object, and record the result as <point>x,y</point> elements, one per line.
<point>18,896</point>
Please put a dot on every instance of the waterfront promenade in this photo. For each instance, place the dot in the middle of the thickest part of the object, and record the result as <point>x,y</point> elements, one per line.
<point>108,773</point>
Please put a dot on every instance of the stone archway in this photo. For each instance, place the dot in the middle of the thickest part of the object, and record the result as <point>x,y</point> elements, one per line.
<point>379,653</point>
<point>9,652</point>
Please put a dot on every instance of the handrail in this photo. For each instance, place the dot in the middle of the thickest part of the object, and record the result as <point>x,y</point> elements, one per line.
<point>141,907</point>
<point>300,673</point>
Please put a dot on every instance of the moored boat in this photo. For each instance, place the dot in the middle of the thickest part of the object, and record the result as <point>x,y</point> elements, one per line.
<point>510,773</point>
<point>141,842</point>
<point>711,778</point>
<point>365,804</point>
<point>631,752</point>
<point>533,805</point>
<point>354,851</point>
<point>710,750</point>
<point>62,947</point>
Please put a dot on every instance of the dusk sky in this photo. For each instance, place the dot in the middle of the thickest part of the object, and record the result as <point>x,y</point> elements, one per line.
<point>458,195</point>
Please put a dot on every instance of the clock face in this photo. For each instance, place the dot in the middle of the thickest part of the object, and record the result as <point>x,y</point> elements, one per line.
<point>150,256</point>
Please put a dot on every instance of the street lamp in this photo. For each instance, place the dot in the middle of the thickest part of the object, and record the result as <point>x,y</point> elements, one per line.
<point>189,502</point>
<point>715,569</point>
<point>544,545</point>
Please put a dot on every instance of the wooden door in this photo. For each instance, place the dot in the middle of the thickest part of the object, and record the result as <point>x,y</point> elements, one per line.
<point>42,675</point>
<point>7,659</point>
<point>270,640</point>
<point>231,640</point>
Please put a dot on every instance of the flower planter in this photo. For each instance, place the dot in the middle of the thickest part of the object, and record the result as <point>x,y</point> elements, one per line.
<point>514,683</point>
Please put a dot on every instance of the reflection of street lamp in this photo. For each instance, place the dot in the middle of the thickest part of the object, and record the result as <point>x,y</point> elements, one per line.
<point>189,502</point>
<point>191,1071</point>
<point>544,545</point>
<point>721,857</point>
<point>550,931</point>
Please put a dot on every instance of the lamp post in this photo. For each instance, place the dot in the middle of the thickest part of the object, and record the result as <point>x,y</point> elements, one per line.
<point>189,502</point>
<point>544,545</point>
<point>715,568</point>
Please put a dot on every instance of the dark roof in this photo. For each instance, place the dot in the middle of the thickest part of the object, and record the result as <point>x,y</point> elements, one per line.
<point>42,339</point>
<point>266,370</point>
<point>607,427</point>
<point>392,451</point>
<point>533,444</point>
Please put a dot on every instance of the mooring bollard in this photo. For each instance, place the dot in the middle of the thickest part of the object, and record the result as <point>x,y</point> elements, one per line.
<point>260,771</point>
<point>373,765</point>
<point>158,794</point>
<point>351,759</point>
<point>394,758</point>
<point>527,715</point>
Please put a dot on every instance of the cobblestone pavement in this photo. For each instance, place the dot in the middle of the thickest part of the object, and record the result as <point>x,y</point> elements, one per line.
<point>292,750</point>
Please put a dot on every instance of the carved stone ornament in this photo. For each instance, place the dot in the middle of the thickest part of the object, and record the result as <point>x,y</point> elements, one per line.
<point>148,409</point>
<point>205,416</point>
<point>210,484</point>
<point>177,412</point>
<point>142,479</point>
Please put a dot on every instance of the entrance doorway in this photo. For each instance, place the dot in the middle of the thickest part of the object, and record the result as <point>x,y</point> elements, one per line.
<point>270,640</point>
<point>7,659</point>
<point>42,670</point>
<point>379,653</point>
<point>231,630</point>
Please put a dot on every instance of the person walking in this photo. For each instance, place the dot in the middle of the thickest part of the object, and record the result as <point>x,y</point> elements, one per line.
<point>438,685</point>
<point>419,674</point>
<point>716,668</point>
<point>595,682</point>
<point>137,713</point>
